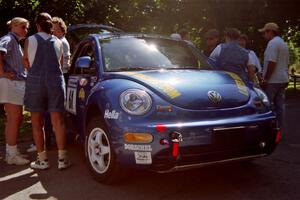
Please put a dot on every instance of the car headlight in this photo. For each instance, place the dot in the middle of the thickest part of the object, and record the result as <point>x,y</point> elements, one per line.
<point>135,101</point>
<point>263,97</point>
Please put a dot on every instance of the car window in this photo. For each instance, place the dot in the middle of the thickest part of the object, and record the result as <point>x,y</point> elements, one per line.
<point>87,50</point>
<point>131,53</point>
<point>78,32</point>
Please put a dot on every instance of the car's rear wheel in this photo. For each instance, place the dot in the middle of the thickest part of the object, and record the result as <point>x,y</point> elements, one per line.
<point>100,155</point>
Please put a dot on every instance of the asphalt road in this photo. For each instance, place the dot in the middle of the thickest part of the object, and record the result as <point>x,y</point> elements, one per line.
<point>273,177</point>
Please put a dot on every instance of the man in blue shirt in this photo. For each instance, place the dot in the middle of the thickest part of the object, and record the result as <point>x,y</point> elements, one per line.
<point>230,56</point>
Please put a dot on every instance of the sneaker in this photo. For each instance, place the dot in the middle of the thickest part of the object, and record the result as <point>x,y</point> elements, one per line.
<point>63,163</point>
<point>40,164</point>
<point>21,155</point>
<point>32,148</point>
<point>16,160</point>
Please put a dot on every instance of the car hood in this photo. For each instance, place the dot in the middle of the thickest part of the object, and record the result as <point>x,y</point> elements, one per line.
<point>193,89</point>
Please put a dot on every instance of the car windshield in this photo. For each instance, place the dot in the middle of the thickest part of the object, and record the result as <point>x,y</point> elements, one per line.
<point>133,53</point>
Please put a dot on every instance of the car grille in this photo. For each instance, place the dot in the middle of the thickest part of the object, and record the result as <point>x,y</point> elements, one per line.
<point>227,143</point>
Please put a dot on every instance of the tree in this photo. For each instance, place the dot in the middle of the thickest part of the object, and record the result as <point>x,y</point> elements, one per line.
<point>168,16</point>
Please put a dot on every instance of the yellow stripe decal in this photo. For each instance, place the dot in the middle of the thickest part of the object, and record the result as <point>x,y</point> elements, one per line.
<point>239,83</point>
<point>164,87</point>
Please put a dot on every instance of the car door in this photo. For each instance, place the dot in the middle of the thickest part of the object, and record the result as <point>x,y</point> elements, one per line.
<point>80,83</point>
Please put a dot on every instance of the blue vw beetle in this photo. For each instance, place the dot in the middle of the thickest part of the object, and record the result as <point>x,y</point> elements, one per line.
<point>153,102</point>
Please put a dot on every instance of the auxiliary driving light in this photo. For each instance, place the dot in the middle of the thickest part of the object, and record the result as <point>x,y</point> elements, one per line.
<point>138,137</point>
<point>278,136</point>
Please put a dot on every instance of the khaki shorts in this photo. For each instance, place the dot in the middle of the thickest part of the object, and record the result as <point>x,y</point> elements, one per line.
<point>12,91</point>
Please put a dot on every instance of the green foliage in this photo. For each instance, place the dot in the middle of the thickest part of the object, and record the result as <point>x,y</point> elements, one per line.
<point>168,16</point>
<point>292,35</point>
<point>25,128</point>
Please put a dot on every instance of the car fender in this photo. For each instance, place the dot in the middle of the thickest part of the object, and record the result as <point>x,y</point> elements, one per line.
<point>105,97</point>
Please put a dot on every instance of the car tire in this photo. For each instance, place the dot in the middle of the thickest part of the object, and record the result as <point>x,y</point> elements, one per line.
<point>100,156</point>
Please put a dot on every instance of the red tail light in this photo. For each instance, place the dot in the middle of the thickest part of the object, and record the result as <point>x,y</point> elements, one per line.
<point>278,136</point>
<point>175,149</point>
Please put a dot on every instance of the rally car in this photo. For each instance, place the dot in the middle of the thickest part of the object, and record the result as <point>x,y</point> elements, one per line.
<point>153,102</point>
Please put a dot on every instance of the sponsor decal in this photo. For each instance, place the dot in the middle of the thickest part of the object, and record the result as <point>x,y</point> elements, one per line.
<point>83,82</point>
<point>136,147</point>
<point>143,158</point>
<point>72,82</point>
<point>71,100</point>
<point>165,111</point>
<point>164,108</point>
<point>111,114</point>
<point>162,86</point>
<point>93,81</point>
<point>239,83</point>
<point>81,94</point>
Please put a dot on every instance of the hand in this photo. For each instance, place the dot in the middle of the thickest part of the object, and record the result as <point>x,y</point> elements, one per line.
<point>263,83</point>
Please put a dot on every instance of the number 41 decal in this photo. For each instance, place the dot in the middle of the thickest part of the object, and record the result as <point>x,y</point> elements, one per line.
<point>71,100</point>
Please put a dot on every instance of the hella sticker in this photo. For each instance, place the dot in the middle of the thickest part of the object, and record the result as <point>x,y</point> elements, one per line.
<point>111,114</point>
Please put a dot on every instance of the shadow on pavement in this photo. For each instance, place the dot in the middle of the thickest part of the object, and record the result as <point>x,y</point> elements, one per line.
<point>76,182</point>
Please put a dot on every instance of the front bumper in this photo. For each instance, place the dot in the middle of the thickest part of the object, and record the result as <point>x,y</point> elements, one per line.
<point>203,143</point>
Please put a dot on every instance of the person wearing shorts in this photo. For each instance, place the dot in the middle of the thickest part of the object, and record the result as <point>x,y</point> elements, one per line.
<point>12,86</point>
<point>45,89</point>
<point>59,30</point>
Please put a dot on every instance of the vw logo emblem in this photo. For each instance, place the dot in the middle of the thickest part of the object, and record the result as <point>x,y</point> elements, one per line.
<point>214,96</point>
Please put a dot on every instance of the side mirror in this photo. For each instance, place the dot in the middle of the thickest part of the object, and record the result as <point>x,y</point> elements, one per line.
<point>83,62</point>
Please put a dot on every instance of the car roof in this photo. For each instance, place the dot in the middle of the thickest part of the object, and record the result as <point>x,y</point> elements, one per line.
<point>130,35</point>
<point>101,27</point>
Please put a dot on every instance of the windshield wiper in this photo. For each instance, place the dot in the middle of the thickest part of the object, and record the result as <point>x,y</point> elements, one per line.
<point>186,67</point>
<point>131,69</point>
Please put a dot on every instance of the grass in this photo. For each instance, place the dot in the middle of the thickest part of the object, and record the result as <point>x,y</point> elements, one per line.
<point>291,91</point>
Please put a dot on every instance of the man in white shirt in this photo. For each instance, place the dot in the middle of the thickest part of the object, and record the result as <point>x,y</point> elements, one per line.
<point>275,70</point>
<point>244,42</point>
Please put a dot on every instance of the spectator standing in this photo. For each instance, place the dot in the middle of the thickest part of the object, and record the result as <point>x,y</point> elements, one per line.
<point>212,38</point>
<point>244,41</point>
<point>230,56</point>
<point>45,89</point>
<point>184,34</point>
<point>275,70</point>
<point>59,30</point>
<point>12,86</point>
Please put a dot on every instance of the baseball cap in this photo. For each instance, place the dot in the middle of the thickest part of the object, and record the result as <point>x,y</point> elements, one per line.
<point>175,36</point>
<point>271,26</point>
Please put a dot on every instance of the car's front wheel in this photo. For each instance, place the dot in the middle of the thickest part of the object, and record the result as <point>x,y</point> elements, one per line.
<point>99,153</point>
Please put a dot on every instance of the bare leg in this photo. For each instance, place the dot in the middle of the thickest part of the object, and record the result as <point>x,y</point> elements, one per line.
<point>14,118</point>
<point>37,119</point>
<point>58,122</point>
